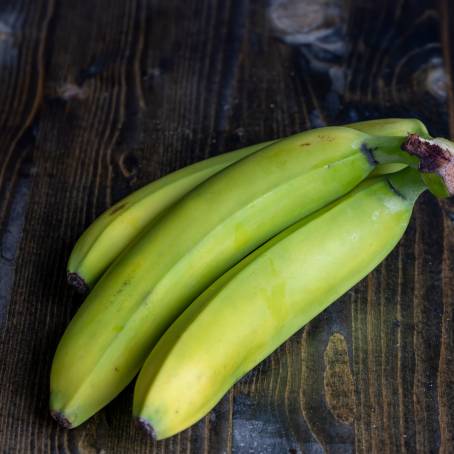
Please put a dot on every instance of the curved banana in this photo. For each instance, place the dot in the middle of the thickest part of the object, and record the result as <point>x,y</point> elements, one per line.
<point>254,307</point>
<point>203,235</point>
<point>104,240</point>
<point>251,310</point>
<point>116,228</point>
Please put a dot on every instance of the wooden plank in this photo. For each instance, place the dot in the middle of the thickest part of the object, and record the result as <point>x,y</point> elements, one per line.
<point>396,320</point>
<point>23,35</point>
<point>445,377</point>
<point>23,30</point>
<point>81,118</point>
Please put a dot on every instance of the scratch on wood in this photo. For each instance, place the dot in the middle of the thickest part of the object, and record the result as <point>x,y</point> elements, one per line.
<point>234,41</point>
<point>9,244</point>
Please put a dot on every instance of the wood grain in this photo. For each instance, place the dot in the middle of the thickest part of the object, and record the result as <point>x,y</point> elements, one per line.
<point>445,378</point>
<point>98,98</point>
<point>23,31</point>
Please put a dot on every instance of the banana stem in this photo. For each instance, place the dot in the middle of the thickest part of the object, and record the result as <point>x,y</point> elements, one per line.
<point>434,158</point>
<point>387,150</point>
<point>436,162</point>
<point>407,183</point>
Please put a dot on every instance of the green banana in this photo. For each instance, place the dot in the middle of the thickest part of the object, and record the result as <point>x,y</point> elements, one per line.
<point>203,235</point>
<point>115,229</point>
<point>391,127</point>
<point>268,296</point>
<point>104,240</point>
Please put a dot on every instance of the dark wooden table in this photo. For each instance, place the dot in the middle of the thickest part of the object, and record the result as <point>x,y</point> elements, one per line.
<point>99,97</point>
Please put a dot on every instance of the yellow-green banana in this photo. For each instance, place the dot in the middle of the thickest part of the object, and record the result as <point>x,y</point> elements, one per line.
<point>115,229</point>
<point>202,236</point>
<point>268,296</point>
<point>110,233</point>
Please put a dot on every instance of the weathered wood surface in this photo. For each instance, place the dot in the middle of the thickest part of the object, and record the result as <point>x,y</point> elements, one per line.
<point>98,98</point>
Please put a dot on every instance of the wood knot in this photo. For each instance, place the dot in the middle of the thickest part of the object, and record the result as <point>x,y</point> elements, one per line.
<point>338,380</point>
<point>69,91</point>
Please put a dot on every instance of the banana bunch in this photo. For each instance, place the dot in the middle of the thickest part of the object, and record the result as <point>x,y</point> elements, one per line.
<point>214,266</point>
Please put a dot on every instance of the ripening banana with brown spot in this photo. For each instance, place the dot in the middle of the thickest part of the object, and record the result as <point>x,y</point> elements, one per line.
<point>106,238</point>
<point>192,244</point>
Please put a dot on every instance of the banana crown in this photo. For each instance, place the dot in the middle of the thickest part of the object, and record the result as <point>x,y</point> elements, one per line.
<point>436,162</point>
<point>171,246</point>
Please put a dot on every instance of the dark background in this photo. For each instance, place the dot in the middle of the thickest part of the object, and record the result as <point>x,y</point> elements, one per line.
<point>98,97</point>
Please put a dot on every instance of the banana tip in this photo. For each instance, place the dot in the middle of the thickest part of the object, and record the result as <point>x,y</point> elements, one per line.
<point>61,419</point>
<point>147,427</point>
<point>78,282</point>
